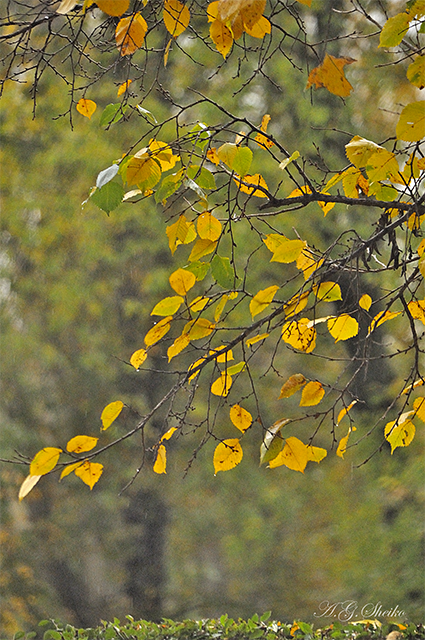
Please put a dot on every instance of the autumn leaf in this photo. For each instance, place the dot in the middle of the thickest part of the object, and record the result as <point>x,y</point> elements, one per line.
<point>260,138</point>
<point>262,300</point>
<point>328,291</point>
<point>44,461</point>
<point>312,394</point>
<point>66,6</point>
<point>240,417</point>
<point>259,338</point>
<point>158,331</point>
<point>330,74</point>
<point>419,408</point>
<point>273,441</point>
<point>292,385</point>
<point>113,7</point>
<point>167,306</point>
<point>394,30</point>
<point>344,411</point>
<point>227,455</point>
<point>69,469</point>
<point>417,310</point>
<point>255,180</point>
<point>343,327</point>
<point>161,460</point>
<point>176,17</point>
<point>288,251</point>
<point>130,34</point>
<point>123,87</point>
<point>178,345</point>
<point>138,358</point>
<point>27,486</point>
<point>416,72</point>
<point>401,432</point>
<point>208,227</point>
<point>365,302</point>
<point>181,232</point>
<point>380,318</point>
<point>86,107</point>
<point>89,472</point>
<point>222,37</point>
<point>202,247</point>
<point>411,124</point>
<point>163,153</point>
<point>143,170</point>
<point>300,335</point>
<point>316,454</point>
<point>221,386</point>
<point>359,150</point>
<point>197,329</point>
<point>111,413</point>
<point>80,444</point>
<point>342,446</point>
<point>182,281</point>
<point>294,455</point>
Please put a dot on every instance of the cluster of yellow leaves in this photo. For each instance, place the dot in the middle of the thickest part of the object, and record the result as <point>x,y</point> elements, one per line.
<point>228,453</point>
<point>231,18</point>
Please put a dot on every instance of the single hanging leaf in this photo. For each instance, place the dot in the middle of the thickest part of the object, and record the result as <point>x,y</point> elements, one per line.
<point>365,302</point>
<point>182,281</point>
<point>113,7</point>
<point>222,272</point>
<point>291,158</point>
<point>316,454</point>
<point>111,413</point>
<point>328,291</point>
<point>380,318</point>
<point>343,327</point>
<point>80,444</point>
<point>106,175</point>
<point>417,310</point>
<point>167,435</point>
<point>262,140</point>
<point>198,304</point>
<point>240,417</point>
<point>89,472</point>
<point>158,331</point>
<point>44,461</point>
<point>86,107</point>
<point>312,394</point>
<point>227,455</point>
<point>419,408</point>
<point>70,468</point>
<point>330,74</point>
<point>112,113</point>
<point>220,307</point>
<point>300,335</point>
<point>167,306</point>
<point>143,170</point>
<point>221,386</point>
<point>161,460</point>
<point>208,227</point>
<point>288,251</point>
<point>294,455</point>
<point>130,34</point>
<point>27,486</point>
<point>251,341</point>
<point>292,385</point>
<point>138,358</point>
<point>222,37</point>
<point>176,17</point>
<point>342,446</point>
<point>411,125</point>
<point>400,433</point>
<point>235,368</point>
<point>344,411</point>
<point>416,72</point>
<point>123,87</point>
<point>394,30</point>
<point>201,248</point>
<point>178,345</point>
<point>262,300</point>
<point>108,197</point>
<point>200,328</point>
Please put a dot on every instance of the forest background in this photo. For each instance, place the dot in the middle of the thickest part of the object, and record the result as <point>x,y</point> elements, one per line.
<point>77,289</point>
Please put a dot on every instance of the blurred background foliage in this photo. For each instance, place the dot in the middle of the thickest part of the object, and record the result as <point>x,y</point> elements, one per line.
<point>76,291</point>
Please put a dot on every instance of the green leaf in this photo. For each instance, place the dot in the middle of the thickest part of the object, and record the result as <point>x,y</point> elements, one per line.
<point>202,176</point>
<point>146,114</point>
<point>108,197</point>
<point>266,615</point>
<point>52,634</point>
<point>394,30</point>
<point>242,161</point>
<point>199,269</point>
<point>112,113</point>
<point>222,272</point>
<point>203,135</point>
<point>168,186</point>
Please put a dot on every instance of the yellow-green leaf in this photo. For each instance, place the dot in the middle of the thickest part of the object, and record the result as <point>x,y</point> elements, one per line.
<point>288,251</point>
<point>294,455</point>
<point>198,304</point>
<point>273,441</point>
<point>382,165</point>
<point>44,461</point>
<point>240,417</point>
<point>411,124</point>
<point>167,306</point>
<point>236,368</point>
<point>399,433</point>
<point>161,460</point>
<point>343,327</point>
<point>416,72</point>
<point>27,486</point>
<point>89,472</point>
<point>394,30</point>
<point>312,394</point>
<point>182,281</point>
<point>78,444</point>
<point>220,307</point>
<point>111,413</point>
<point>176,17</point>
<point>181,232</point>
<point>158,331</point>
<point>138,358</point>
<point>292,385</point>
<point>221,386</point>
<point>262,300</point>
<point>86,107</point>
<point>227,455</point>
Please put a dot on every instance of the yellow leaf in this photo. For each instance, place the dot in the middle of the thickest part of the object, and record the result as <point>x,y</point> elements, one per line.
<point>255,339</point>
<point>418,383</point>
<point>198,304</point>
<point>167,435</point>
<point>222,37</point>
<point>178,345</point>
<point>209,228</point>
<point>382,165</point>
<point>143,171</point>
<point>365,301</point>
<point>380,318</point>
<point>292,385</point>
<point>262,300</point>
<point>130,34</point>
<point>416,72</point>
<point>257,181</point>
<point>182,281</point>
<point>220,307</point>
<point>330,74</point>
<point>294,455</point>
<point>221,386</point>
<point>161,460</point>
<point>342,446</point>
<point>417,309</point>
<point>44,461</point>
<point>113,7</point>
<point>289,251</point>
<point>411,124</point>
<point>261,139</point>
<point>359,150</point>
<point>176,17</point>
<point>201,248</point>
<point>111,413</point>
<point>123,87</point>
<point>200,328</point>
<point>212,156</point>
<point>224,357</point>
<point>312,394</point>
<point>296,304</point>
<point>419,407</point>
<point>81,443</point>
<point>167,306</point>
<point>27,486</point>
<point>70,468</point>
<point>328,291</point>
<point>89,472</point>
<point>273,241</point>
<point>240,417</point>
<point>181,232</point>
<point>163,153</point>
<point>316,454</point>
<point>158,331</point>
<point>259,30</point>
<point>307,263</point>
<point>394,30</point>
<point>344,411</point>
<point>86,107</point>
<point>343,327</point>
<point>300,335</point>
<point>167,51</point>
<point>307,4</point>
<point>138,358</point>
<point>399,433</point>
<point>227,455</point>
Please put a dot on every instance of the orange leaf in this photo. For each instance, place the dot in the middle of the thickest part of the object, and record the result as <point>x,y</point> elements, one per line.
<point>330,74</point>
<point>113,7</point>
<point>130,34</point>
